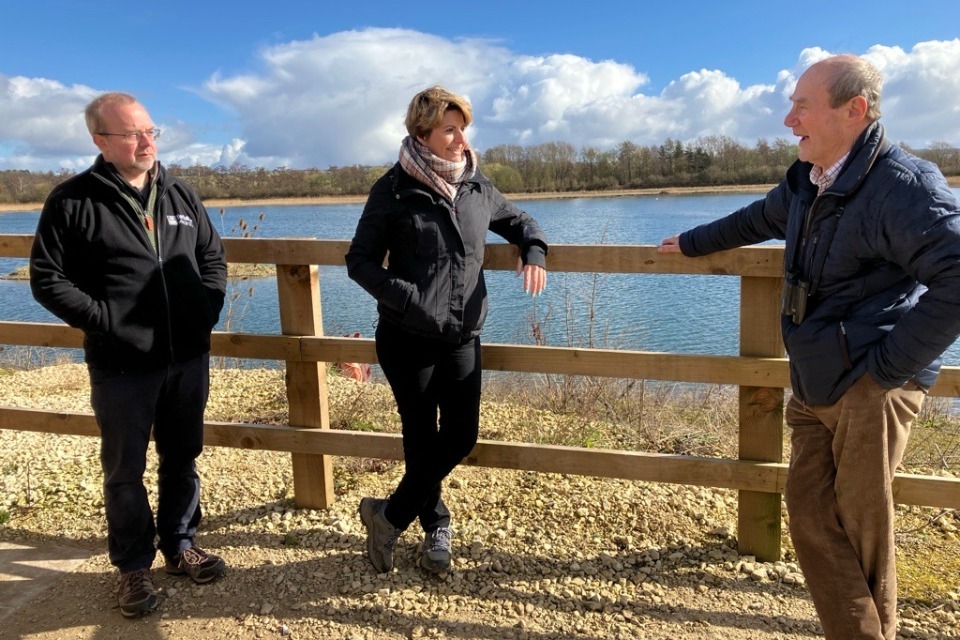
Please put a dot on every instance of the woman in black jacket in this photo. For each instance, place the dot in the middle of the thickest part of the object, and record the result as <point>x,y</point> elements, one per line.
<point>430,213</point>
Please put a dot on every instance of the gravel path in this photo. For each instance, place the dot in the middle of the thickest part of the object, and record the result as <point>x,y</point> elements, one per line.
<point>537,556</point>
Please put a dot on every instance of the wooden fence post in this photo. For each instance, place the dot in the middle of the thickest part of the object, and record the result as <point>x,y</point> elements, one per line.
<point>761,417</point>
<point>298,289</point>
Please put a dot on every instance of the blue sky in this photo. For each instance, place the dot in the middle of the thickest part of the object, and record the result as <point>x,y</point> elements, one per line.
<point>319,84</point>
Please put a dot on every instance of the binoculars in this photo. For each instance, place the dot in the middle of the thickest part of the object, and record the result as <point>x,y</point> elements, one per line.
<point>794,300</point>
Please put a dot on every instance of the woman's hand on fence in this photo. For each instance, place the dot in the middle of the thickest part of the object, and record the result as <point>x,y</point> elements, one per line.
<point>534,277</point>
<point>669,245</point>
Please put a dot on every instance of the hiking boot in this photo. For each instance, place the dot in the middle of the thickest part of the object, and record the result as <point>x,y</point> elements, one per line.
<point>202,567</point>
<point>381,535</point>
<point>136,594</point>
<point>434,550</point>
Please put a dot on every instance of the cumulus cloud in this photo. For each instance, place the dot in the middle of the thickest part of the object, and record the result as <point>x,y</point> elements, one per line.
<point>920,91</point>
<point>42,128</point>
<point>340,99</point>
<point>41,123</point>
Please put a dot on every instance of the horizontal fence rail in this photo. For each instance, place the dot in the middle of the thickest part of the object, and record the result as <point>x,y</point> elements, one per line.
<point>606,363</point>
<point>763,261</point>
<point>605,463</point>
<point>760,372</point>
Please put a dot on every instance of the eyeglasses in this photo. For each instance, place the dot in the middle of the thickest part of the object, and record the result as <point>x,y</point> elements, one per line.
<point>135,136</point>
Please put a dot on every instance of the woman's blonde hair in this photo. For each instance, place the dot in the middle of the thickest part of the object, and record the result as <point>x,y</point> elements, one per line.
<point>426,110</point>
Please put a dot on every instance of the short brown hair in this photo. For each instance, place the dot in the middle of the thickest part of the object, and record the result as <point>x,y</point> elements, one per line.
<point>853,76</point>
<point>93,112</point>
<point>426,110</point>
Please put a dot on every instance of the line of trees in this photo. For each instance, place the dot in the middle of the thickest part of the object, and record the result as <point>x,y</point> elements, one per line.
<point>711,160</point>
<point>547,167</point>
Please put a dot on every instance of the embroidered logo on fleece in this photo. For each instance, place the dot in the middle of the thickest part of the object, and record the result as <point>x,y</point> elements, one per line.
<point>180,218</point>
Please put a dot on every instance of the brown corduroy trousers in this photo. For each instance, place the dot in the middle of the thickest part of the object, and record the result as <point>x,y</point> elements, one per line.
<point>840,501</point>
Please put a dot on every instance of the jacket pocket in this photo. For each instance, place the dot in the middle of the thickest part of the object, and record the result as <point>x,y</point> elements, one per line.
<point>418,315</point>
<point>100,325</point>
<point>844,349</point>
<point>819,362</point>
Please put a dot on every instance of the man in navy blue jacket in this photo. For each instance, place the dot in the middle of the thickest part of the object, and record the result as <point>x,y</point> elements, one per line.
<point>127,254</point>
<point>871,301</point>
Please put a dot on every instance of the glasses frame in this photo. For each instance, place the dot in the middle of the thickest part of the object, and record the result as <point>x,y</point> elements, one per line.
<point>135,136</point>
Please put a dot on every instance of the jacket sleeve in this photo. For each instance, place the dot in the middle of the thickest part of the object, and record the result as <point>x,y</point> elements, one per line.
<point>920,232</point>
<point>50,281</point>
<point>368,249</point>
<point>211,258</point>
<point>764,219</point>
<point>518,227</point>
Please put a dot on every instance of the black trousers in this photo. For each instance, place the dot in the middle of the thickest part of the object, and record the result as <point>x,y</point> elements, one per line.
<point>427,377</point>
<point>126,405</point>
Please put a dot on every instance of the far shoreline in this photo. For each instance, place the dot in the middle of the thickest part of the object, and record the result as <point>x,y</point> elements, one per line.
<point>220,203</point>
<point>547,195</point>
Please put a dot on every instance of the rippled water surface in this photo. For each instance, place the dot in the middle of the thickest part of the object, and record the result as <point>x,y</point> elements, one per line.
<point>684,314</point>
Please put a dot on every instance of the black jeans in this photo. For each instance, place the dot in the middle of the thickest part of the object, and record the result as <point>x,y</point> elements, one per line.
<point>126,405</point>
<point>428,376</point>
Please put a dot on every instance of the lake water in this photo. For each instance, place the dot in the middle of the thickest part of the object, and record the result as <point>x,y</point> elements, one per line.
<point>676,313</point>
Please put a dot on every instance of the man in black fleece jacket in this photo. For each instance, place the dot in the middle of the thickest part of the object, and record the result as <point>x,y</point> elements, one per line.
<point>127,254</point>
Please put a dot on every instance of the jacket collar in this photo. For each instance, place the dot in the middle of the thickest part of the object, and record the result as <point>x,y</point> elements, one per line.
<point>869,145</point>
<point>403,183</point>
<point>108,172</point>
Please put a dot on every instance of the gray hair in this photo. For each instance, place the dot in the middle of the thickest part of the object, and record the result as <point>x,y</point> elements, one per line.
<point>93,112</point>
<point>853,76</point>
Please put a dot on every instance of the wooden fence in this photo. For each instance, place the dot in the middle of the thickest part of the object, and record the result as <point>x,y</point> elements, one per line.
<point>760,372</point>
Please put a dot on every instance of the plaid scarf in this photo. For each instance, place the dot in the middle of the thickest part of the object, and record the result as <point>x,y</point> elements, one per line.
<point>443,176</point>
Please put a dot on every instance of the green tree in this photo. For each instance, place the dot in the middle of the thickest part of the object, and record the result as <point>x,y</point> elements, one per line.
<point>506,178</point>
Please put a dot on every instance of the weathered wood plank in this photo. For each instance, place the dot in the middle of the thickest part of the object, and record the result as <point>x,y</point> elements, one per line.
<point>253,345</point>
<point>650,365</point>
<point>298,289</point>
<point>765,477</point>
<point>40,334</point>
<point>15,245</point>
<point>286,251</point>
<point>762,261</point>
<point>926,491</point>
<point>759,372</point>
<point>761,417</point>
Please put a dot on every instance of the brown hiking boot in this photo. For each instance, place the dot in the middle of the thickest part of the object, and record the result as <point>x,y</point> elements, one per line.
<point>136,594</point>
<point>202,567</point>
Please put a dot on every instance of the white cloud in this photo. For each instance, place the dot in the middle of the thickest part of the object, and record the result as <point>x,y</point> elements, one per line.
<point>42,128</point>
<point>340,99</point>
<point>41,123</point>
<point>229,154</point>
<point>920,90</point>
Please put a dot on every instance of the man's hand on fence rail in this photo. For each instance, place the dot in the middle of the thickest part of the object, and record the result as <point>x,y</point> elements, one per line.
<point>669,245</point>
